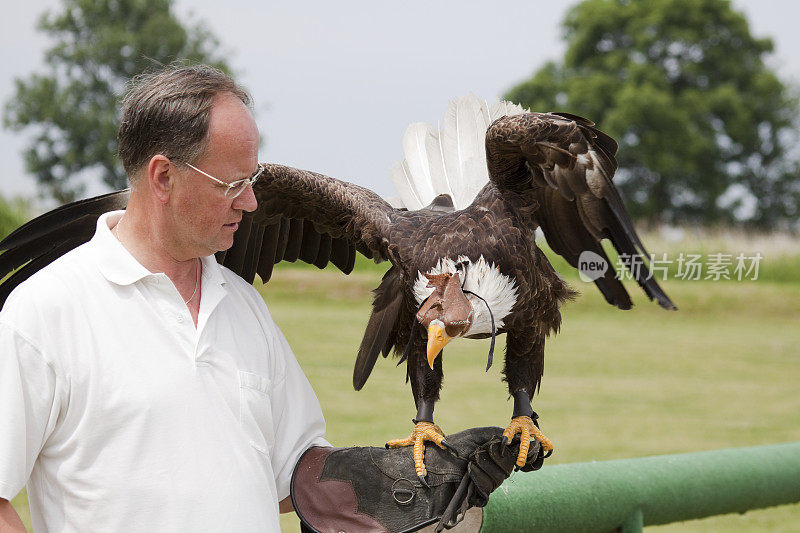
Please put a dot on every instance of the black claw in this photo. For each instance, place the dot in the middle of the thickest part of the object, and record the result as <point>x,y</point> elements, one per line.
<point>505,440</point>
<point>424,482</point>
<point>386,445</point>
<point>449,446</point>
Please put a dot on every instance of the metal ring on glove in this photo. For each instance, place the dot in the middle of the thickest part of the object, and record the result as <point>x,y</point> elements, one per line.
<point>398,492</point>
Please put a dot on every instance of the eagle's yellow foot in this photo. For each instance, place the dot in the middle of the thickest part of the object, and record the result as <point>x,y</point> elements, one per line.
<point>422,431</point>
<point>527,429</point>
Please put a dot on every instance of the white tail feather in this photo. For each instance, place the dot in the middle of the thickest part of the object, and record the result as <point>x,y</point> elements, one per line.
<point>414,147</point>
<point>462,140</point>
<point>452,160</point>
<point>438,171</point>
<point>503,108</point>
<point>404,184</point>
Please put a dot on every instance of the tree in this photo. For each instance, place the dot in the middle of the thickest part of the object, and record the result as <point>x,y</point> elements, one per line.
<point>13,214</point>
<point>100,45</point>
<point>706,129</point>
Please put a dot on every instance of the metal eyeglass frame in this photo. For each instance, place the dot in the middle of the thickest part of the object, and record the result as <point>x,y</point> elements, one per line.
<point>243,183</point>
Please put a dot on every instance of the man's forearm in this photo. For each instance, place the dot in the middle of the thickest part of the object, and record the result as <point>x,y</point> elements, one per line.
<point>10,522</point>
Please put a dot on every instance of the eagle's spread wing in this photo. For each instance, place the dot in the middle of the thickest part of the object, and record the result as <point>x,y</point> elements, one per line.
<point>311,217</point>
<point>300,215</point>
<point>557,169</point>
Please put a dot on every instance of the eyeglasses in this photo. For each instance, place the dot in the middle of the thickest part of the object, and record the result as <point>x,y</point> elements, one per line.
<point>234,188</point>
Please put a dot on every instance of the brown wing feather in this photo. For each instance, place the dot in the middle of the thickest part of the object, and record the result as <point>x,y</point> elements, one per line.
<point>382,325</point>
<point>283,239</point>
<point>261,252</point>
<point>324,251</point>
<point>324,220</point>
<point>557,170</point>
<point>309,246</point>
<point>235,255</point>
<point>294,240</point>
<point>341,253</point>
<point>260,236</point>
<point>336,208</point>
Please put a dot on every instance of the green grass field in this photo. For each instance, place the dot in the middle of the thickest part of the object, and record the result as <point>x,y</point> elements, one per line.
<point>721,372</point>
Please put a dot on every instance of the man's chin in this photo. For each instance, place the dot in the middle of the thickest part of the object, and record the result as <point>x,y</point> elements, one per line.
<point>224,244</point>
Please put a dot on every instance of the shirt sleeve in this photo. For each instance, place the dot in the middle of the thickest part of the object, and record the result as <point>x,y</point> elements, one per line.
<point>297,416</point>
<point>29,407</point>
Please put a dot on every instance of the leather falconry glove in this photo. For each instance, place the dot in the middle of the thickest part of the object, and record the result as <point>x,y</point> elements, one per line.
<point>377,490</point>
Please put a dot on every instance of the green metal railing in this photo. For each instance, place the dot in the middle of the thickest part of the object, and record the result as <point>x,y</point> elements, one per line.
<point>628,494</point>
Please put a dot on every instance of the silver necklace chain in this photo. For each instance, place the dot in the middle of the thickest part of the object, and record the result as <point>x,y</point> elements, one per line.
<point>196,270</point>
<point>196,281</point>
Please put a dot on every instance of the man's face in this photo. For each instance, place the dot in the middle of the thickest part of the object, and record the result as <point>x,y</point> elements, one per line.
<point>204,219</point>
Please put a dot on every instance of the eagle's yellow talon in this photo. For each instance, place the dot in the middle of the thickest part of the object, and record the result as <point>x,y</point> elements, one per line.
<point>397,443</point>
<point>527,429</point>
<point>422,431</point>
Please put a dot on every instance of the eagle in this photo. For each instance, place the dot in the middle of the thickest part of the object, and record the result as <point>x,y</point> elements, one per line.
<point>466,265</point>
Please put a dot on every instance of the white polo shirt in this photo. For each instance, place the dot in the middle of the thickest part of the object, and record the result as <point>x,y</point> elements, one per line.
<point>120,415</point>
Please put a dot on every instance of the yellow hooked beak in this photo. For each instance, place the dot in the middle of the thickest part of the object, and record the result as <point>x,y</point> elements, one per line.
<point>437,339</point>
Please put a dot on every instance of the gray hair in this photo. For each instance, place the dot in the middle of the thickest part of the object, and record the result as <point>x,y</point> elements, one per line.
<point>167,112</point>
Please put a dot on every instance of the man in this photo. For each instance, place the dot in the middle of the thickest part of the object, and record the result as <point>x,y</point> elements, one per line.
<point>142,386</point>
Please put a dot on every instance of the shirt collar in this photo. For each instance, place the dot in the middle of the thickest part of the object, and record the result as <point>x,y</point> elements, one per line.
<point>212,272</point>
<point>114,261</point>
<point>117,264</point>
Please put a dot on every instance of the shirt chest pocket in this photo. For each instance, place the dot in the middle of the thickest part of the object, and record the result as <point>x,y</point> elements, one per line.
<point>255,411</point>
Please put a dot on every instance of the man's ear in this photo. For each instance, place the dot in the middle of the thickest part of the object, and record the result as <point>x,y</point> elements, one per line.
<point>159,177</point>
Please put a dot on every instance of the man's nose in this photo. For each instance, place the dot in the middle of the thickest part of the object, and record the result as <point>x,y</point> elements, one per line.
<point>246,201</point>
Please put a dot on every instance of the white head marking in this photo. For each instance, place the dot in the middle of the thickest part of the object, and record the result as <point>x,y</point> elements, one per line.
<point>482,278</point>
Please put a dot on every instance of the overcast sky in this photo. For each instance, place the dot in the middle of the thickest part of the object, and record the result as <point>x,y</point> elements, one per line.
<point>336,83</point>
